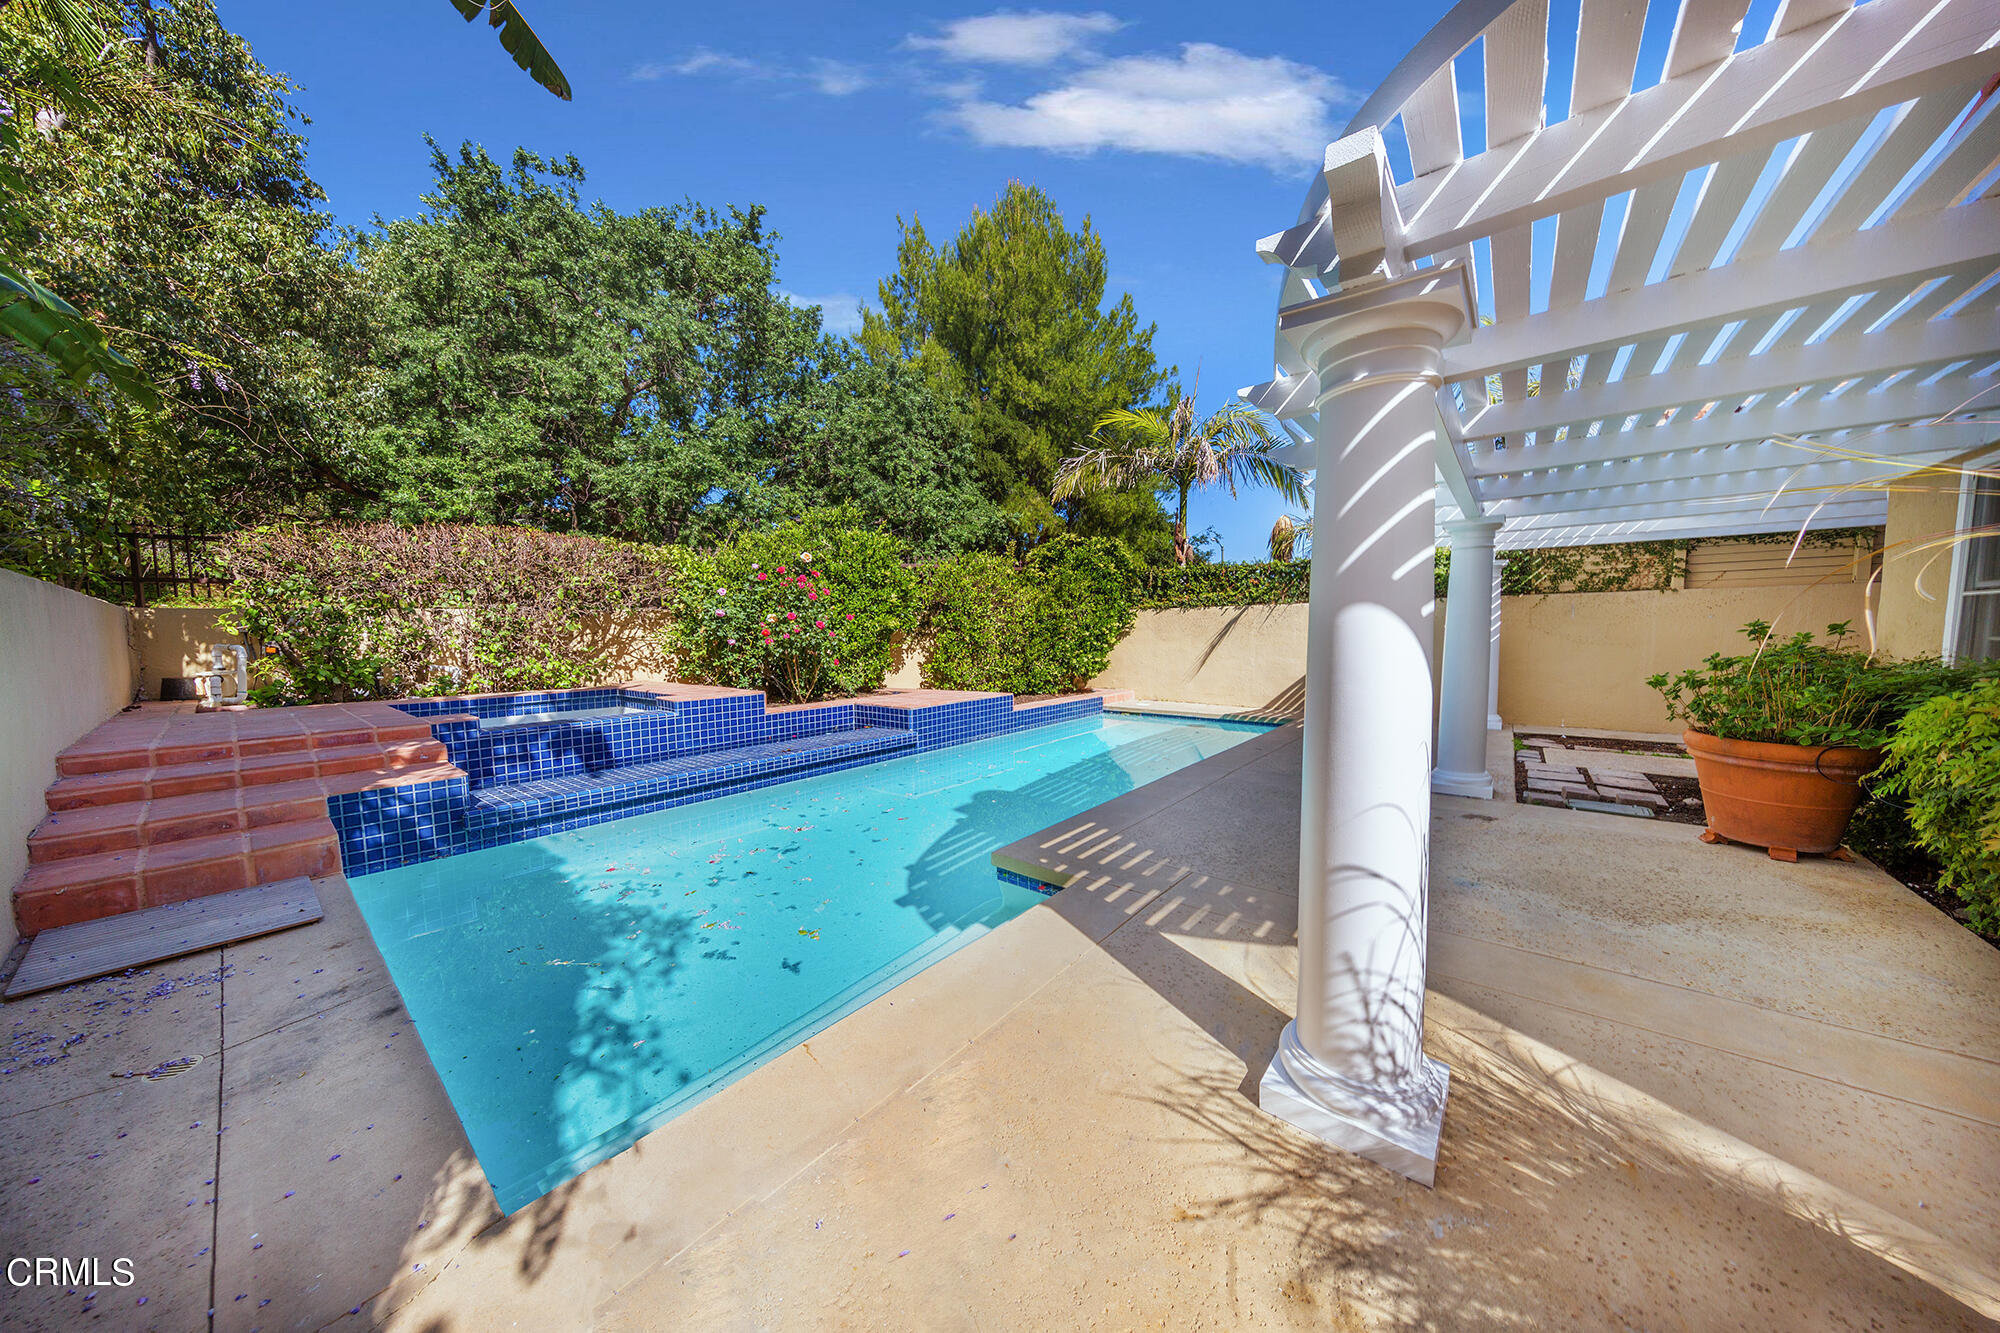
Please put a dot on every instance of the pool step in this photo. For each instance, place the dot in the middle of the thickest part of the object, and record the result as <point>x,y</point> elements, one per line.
<point>91,829</point>
<point>64,891</point>
<point>577,794</point>
<point>144,741</point>
<point>120,786</point>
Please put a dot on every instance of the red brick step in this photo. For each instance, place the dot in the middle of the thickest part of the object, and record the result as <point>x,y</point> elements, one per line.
<point>82,888</point>
<point>119,786</point>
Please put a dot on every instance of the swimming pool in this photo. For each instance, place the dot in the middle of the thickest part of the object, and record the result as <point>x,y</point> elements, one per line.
<point>577,990</point>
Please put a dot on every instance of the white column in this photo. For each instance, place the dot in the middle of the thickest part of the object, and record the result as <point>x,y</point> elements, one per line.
<point>1468,644</point>
<point>1493,722</point>
<point>1350,1068</point>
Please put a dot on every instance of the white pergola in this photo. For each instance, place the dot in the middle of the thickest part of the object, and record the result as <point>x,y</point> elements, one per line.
<point>1745,297</point>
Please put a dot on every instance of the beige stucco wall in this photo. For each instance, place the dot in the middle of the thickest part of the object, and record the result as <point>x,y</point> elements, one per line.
<point>65,666</point>
<point>1233,656</point>
<point>1581,659</point>
<point>1578,659</point>
<point>1916,577</point>
<point>174,641</point>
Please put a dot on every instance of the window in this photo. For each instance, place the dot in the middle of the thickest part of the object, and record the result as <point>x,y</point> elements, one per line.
<point>1979,589</point>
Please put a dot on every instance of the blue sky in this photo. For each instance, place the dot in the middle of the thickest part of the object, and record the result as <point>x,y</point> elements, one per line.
<point>1185,131</point>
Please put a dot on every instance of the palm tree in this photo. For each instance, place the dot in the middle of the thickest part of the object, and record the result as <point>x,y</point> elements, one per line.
<point>1154,449</point>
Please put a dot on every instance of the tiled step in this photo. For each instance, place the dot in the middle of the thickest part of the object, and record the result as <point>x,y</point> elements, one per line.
<point>122,746</point>
<point>555,797</point>
<point>83,888</point>
<point>93,829</point>
<point>117,786</point>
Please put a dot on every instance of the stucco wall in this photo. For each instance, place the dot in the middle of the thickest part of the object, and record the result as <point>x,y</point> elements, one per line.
<point>174,641</point>
<point>65,666</point>
<point>1578,659</point>
<point>1234,656</point>
<point>1581,659</point>
<point>1909,624</point>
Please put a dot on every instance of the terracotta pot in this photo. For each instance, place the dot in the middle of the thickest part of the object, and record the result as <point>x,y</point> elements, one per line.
<point>1788,798</point>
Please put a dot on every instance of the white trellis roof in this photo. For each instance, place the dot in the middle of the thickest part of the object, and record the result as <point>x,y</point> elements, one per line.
<point>1748,294</point>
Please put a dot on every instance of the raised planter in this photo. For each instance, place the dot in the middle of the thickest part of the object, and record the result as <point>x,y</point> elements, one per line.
<point>1785,798</point>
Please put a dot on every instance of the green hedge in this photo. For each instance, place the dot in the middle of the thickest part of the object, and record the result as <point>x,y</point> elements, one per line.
<point>371,611</point>
<point>1250,584</point>
<point>1044,627</point>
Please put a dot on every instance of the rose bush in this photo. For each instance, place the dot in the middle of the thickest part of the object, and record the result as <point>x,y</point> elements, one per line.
<point>802,612</point>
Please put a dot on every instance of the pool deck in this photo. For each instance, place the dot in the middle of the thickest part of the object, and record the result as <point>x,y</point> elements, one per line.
<point>1691,1088</point>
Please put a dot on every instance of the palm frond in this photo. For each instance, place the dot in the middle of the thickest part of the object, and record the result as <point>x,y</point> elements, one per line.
<point>519,41</point>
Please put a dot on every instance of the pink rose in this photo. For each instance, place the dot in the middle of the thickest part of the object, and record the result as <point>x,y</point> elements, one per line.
<point>819,624</point>
<point>836,661</point>
<point>850,615</point>
<point>781,569</point>
<point>791,615</point>
<point>762,577</point>
<point>810,597</point>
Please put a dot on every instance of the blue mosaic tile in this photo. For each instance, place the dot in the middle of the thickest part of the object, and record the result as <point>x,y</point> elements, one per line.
<point>1023,881</point>
<point>532,779</point>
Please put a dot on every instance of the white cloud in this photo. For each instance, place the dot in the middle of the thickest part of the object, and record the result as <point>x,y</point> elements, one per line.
<point>702,60</point>
<point>1006,37</point>
<point>835,78</point>
<point>1209,101</point>
<point>839,313</point>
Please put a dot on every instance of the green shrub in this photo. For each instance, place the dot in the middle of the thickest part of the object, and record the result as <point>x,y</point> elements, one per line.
<point>805,611</point>
<point>1796,691</point>
<point>1255,583</point>
<point>372,611</point>
<point>977,608</point>
<point>1044,627</point>
<point>1085,590</point>
<point>1944,760</point>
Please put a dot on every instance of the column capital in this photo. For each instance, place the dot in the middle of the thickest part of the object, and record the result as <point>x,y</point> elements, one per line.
<point>1393,331</point>
<point>1474,531</point>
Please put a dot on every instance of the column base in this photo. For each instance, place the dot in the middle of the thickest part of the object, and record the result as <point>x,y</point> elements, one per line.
<point>1393,1128</point>
<point>1476,785</point>
<point>1493,722</point>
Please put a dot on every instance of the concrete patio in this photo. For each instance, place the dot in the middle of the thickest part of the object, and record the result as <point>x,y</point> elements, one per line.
<point>1691,1088</point>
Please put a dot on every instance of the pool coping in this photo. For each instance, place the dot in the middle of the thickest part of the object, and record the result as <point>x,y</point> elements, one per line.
<point>1086,849</point>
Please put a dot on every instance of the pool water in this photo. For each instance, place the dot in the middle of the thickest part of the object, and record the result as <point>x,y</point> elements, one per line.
<point>578,990</point>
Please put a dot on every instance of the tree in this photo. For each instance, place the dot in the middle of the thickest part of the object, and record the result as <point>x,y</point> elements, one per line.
<point>576,368</point>
<point>887,445</point>
<point>173,209</point>
<point>1010,314</point>
<point>1155,449</point>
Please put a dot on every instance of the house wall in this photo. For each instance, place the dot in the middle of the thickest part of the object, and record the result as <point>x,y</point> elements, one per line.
<point>1916,576</point>
<point>65,666</point>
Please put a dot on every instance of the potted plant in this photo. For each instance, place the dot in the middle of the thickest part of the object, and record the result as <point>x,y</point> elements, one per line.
<point>1782,736</point>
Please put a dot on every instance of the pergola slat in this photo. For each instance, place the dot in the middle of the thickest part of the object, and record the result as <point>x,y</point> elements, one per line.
<point>1430,123</point>
<point>1893,447</point>
<point>1725,427</point>
<point>1899,254</point>
<point>1517,66</point>
<point>1607,52</point>
<point>1919,127</point>
<point>1704,33</point>
<point>1806,173</point>
<point>1786,87</point>
<point>1935,343</point>
<point>1723,196</point>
